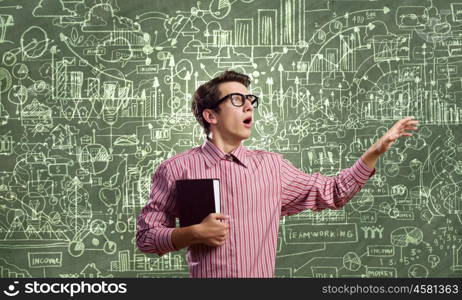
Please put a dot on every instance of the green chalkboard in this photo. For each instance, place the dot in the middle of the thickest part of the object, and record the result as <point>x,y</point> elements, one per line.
<point>95,94</point>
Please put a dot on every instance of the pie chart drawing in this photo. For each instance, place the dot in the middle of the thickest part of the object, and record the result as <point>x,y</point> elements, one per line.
<point>351,261</point>
<point>404,236</point>
<point>364,203</point>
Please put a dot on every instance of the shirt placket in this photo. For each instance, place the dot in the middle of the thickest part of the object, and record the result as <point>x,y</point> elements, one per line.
<point>225,169</point>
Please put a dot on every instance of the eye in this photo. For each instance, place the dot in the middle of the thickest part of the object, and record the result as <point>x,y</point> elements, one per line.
<point>253,99</point>
<point>236,97</point>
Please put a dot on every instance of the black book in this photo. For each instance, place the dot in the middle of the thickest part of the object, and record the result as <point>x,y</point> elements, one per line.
<point>196,199</point>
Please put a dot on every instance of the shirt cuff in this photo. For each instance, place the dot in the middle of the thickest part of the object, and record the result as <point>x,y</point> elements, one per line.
<point>361,172</point>
<point>164,240</point>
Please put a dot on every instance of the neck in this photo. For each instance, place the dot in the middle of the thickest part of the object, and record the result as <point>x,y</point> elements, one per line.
<point>225,145</point>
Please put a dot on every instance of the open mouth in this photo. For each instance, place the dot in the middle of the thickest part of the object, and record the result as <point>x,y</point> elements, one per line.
<point>248,121</point>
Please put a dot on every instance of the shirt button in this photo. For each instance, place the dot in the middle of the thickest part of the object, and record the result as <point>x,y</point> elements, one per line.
<point>229,157</point>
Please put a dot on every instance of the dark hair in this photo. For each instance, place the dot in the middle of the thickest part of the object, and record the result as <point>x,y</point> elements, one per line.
<point>207,94</point>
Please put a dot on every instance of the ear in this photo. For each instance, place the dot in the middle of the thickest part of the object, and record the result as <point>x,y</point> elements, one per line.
<point>210,116</point>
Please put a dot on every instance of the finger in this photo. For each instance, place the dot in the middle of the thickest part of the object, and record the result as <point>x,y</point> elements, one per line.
<point>403,121</point>
<point>222,227</point>
<point>220,216</point>
<point>411,124</point>
<point>408,125</point>
<point>406,134</point>
<point>409,119</point>
<point>399,125</point>
<point>404,126</point>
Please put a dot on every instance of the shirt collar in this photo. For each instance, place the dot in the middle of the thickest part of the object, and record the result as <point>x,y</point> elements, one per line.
<point>213,154</point>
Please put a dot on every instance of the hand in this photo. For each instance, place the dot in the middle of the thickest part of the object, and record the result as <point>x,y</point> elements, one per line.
<point>396,131</point>
<point>211,231</point>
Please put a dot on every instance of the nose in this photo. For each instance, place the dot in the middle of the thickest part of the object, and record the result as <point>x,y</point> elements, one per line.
<point>248,105</point>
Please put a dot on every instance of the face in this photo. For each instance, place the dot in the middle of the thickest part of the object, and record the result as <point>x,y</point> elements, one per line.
<point>229,121</point>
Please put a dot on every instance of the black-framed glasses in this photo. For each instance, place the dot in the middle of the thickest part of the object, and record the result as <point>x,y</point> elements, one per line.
<point>238,99</point>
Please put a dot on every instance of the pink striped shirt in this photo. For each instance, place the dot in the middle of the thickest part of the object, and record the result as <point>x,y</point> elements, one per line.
<point>257,187</point>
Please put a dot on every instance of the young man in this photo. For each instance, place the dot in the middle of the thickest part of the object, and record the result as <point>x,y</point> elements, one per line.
<point>257,187</point>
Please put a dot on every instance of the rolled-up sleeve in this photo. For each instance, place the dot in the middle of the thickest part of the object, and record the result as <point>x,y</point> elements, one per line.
<point>157,219</point>
<point>301,191</point>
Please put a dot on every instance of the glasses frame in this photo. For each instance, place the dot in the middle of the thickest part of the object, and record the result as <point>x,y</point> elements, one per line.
<point>254,102</point>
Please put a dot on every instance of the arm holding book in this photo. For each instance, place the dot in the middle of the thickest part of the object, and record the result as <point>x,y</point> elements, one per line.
<point>210,231</point>
<point>156,232</point>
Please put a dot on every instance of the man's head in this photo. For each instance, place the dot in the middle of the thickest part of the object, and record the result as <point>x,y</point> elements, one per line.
<point>219,107</point>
